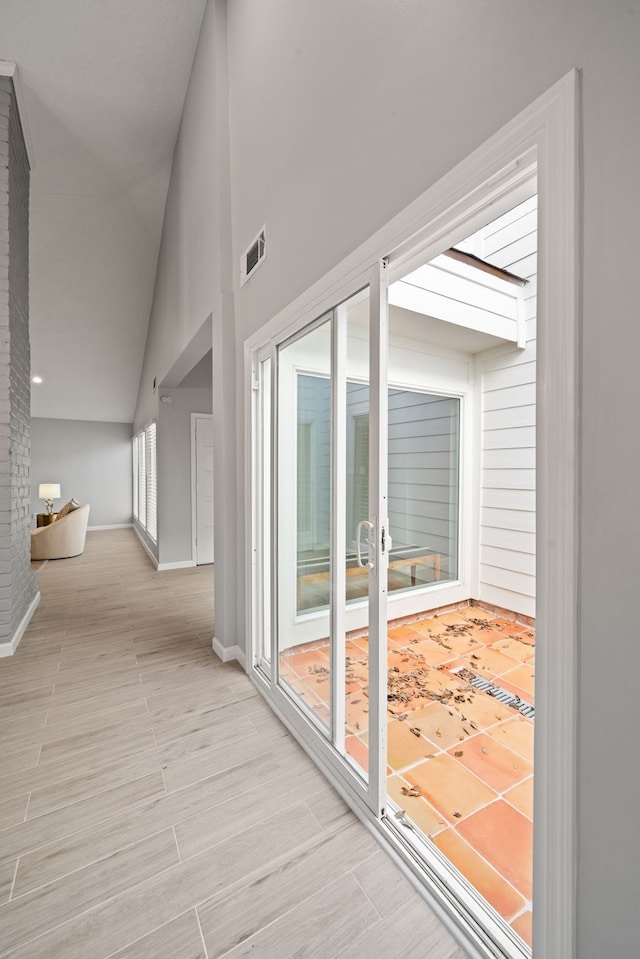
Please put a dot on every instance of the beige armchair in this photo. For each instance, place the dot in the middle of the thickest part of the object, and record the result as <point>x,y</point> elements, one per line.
<point>61,539</point>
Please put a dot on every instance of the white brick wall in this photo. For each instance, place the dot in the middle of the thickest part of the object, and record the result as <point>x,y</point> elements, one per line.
<point>18,585</point>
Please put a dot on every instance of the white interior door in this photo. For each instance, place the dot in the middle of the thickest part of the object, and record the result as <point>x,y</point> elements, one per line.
<point>204,489</point>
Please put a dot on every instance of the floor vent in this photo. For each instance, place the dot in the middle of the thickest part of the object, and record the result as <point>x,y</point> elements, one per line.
<point>502,695</point>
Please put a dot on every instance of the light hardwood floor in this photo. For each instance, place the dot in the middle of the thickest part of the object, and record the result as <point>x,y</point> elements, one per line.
<point>151,805</point>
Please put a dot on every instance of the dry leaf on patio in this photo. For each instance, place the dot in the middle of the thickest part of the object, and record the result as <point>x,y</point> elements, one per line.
<point>411,791</point>
<point>402,716</point>
<point>458,753</point>
<point>457,815</point>
<point>415,730</point>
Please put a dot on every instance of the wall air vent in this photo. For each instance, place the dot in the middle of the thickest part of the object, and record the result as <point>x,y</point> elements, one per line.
<point>253,256</point>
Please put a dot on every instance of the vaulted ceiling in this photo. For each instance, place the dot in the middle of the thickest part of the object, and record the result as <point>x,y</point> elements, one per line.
<point>103,84</point>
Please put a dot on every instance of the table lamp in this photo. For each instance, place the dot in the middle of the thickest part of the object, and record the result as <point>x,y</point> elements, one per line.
<point>48,492</point>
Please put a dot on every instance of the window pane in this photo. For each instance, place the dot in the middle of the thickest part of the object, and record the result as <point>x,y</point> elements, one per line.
<point>424,442</point>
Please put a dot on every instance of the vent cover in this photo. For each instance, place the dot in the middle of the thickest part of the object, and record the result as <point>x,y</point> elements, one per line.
<point>492,689</point>
<point>253,256</point>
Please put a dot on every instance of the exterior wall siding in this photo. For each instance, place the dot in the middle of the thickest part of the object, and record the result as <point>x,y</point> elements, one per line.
<point>508,481</point>
<point>18,585</point>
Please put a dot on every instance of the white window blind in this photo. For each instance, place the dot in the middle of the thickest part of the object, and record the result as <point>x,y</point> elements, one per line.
<point>135,477</point>
<point>151,471</point>
<point>142,482</point>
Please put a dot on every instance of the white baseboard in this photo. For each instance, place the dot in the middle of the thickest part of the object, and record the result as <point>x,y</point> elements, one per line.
<point>8,649</point>
<point>161,567</point>
<point>93,529</point>
<point>228,653</point>
<point>146,548</point>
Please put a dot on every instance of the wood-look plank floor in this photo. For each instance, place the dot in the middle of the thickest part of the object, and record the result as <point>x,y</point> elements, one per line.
<point>151,805</point>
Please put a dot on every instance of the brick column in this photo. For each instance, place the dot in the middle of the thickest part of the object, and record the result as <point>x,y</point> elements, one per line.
<point>18,585</point>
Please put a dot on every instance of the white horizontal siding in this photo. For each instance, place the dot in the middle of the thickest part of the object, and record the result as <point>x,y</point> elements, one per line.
<point>509,539</point>
<point>510,418</point>
<point>508,498</point>
<point>423,471</point>
<point>524,395</point>
<point>519,499</point>
<point>510,559</point>
<point>509,479</point>
<point>504,518</point>
<point>509,579</point>
<point>508,438</point>
<point>509,599</point>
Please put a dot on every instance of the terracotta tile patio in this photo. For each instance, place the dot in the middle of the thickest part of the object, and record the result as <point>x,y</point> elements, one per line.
<point>460,762</point>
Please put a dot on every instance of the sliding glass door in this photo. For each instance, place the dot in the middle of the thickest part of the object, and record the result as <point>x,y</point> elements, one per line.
<point>329,542</point>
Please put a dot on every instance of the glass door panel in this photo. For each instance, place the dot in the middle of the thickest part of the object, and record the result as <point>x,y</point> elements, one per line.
<point>304,518</point>
<point>353,324</point>
<point>324,537</point>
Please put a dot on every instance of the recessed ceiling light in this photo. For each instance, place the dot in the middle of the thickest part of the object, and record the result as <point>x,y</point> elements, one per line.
<point>36,379</point>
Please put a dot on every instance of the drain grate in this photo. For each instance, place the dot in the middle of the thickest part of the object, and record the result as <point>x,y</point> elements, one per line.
<point>502,695</point>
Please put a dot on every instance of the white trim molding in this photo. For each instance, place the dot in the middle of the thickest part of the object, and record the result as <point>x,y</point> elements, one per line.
<point>145,546</point>
<point>543,139</point>
<point>228,653</point>
<point>8,649</point>
<point>97,529</point>
<point>161,567</point>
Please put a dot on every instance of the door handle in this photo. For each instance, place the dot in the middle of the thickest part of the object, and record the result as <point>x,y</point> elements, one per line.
<point>364,524</point>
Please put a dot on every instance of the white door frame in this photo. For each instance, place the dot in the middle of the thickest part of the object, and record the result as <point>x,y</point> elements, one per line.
<point>194,505</point>
<point>547,133</point>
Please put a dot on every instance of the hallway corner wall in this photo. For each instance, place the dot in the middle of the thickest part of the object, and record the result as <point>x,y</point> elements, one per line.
<point>18,584</point>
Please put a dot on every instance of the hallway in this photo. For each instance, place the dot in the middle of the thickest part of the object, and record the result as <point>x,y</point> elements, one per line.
<point>151,805</point>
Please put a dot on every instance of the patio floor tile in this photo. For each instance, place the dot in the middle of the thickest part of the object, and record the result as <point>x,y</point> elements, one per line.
<point>426,818</point>
<point>521,796</point>
<point>504,837</point>
<point>449,787</point>
<point>492,762</point>
<point>489,883</point>
<point>517,734</point>
<point>523,926</point>
<point>404,748</point>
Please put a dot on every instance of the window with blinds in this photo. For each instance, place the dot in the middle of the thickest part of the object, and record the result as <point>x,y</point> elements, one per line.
<point>151,477</point>
<point>136,513</point>
<point>142,482</point>
<point>145,481</point>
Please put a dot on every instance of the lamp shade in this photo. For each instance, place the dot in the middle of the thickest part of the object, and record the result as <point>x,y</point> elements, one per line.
<point>49,491</point>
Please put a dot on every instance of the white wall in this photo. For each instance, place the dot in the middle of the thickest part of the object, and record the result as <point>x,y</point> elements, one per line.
<point>341,114</point>
<point>92,463</point>
<point>508,377</point>
<point>193,284</point>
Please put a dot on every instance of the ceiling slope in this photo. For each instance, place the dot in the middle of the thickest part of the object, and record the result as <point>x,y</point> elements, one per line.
<point>103,83</point>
